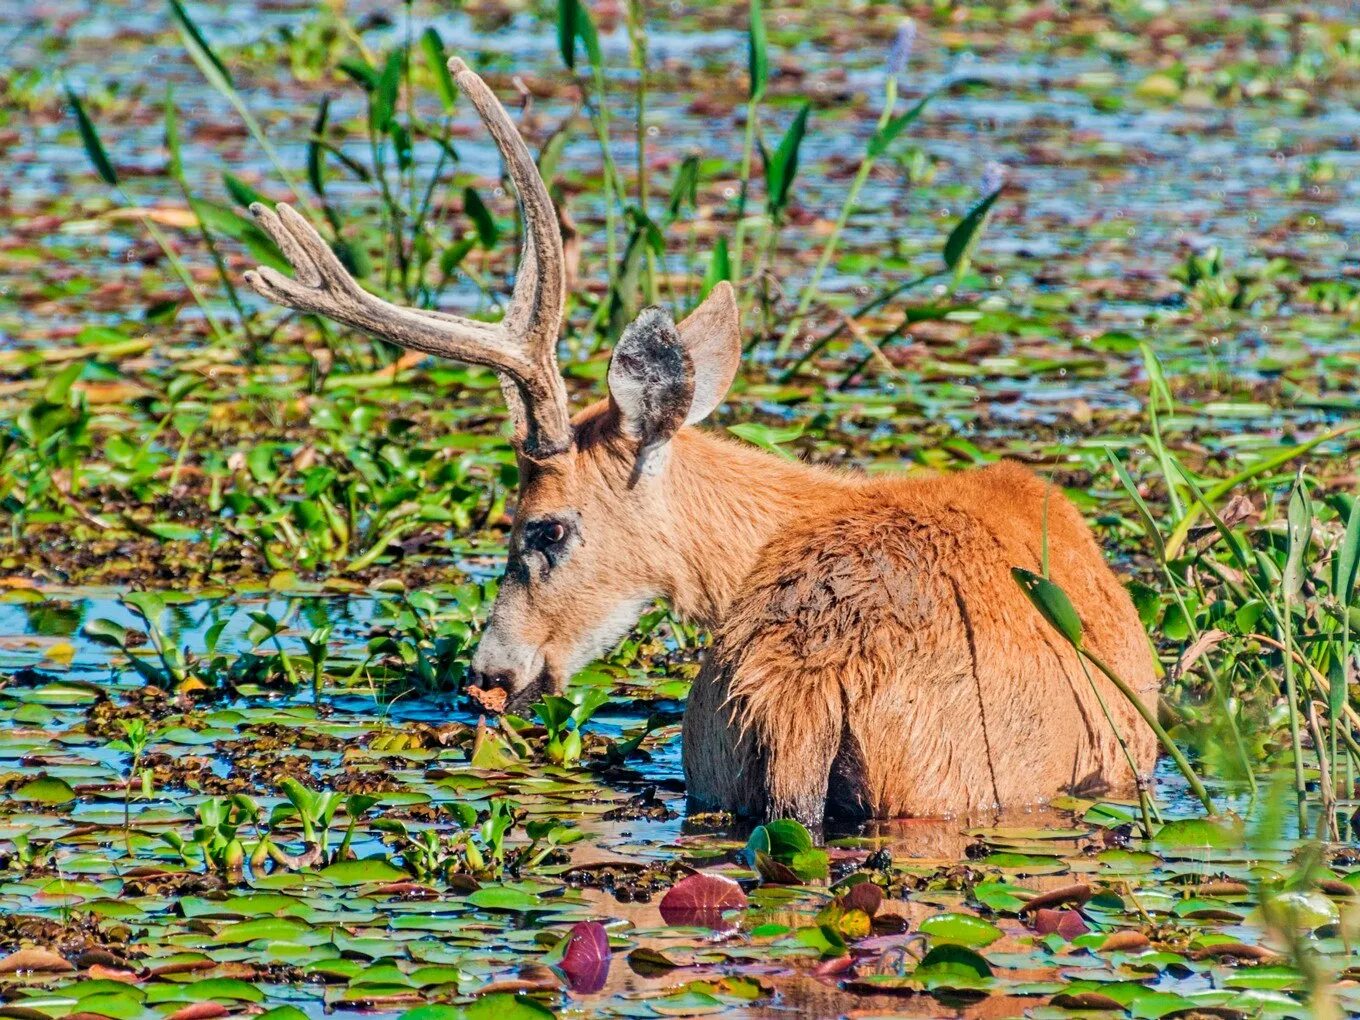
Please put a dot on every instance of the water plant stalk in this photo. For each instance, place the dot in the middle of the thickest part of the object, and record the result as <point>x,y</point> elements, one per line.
<point>866,166</point>
<point>758,70</point>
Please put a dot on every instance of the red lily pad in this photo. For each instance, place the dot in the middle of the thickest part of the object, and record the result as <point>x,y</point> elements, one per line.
<point>586,959</point>
<point>700,900</point>
<point>1067,924</point>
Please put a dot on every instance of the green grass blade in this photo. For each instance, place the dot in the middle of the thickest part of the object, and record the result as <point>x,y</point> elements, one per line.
<point>757,55</point>
<point>200,43</point>
<point>216,74</point>
<point>1052,603</point>
<point>782,166</point>
<point>94,148</point>
<point>437,60</point>
<point>1149,522</point>
<point>959,245</point>
<point>1266,464</point>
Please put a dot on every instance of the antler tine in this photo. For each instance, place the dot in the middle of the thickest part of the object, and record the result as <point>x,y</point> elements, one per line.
<point>535,311</point>
<point>522,348</point>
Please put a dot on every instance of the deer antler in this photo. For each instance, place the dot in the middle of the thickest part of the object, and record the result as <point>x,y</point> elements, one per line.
<point>522,347</point>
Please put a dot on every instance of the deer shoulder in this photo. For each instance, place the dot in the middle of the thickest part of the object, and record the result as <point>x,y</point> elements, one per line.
<point>880,660</point>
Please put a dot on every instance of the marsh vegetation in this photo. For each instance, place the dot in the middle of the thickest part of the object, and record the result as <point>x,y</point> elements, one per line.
<point>245,555</point>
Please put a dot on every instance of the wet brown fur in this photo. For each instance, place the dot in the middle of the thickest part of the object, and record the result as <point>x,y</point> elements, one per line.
<point>872,655</point>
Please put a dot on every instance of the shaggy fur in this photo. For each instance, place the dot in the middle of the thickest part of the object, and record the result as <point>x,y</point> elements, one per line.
<point>872,655</point>
<point>880,661</point>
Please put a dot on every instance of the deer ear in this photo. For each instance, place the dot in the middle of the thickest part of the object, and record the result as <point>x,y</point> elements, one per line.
<point>651,379</point>
<point>712,336</point>
<point>663,376</point>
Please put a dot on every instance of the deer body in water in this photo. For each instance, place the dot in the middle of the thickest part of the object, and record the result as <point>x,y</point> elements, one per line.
<point>872,655</point>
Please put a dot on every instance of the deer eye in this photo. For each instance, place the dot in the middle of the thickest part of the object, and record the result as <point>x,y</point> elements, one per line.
<point>546,537</point>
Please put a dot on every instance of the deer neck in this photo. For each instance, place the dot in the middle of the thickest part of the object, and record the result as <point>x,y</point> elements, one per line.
<point>728,501</point>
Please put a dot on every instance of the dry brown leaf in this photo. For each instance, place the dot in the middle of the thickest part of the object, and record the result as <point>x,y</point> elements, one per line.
<point>165,216</point>
<point>37,960</point>
<point>1077,893</point>
<point>200,1011</point>
<point>1198,647</point>
<point>1124,940</point>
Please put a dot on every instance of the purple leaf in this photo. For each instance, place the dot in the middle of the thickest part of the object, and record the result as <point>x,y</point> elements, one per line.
<point>586,959</point>
<point>1066,924</point>
<point>701,899</point>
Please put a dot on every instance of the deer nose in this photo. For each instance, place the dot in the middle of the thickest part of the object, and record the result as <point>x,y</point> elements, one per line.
<point>493,678</point>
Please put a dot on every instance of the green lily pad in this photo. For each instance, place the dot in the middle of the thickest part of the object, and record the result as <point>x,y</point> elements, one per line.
<point>45,790</point>
<point>502,898</point>
<point>361,872</point>
<point>961,929</point>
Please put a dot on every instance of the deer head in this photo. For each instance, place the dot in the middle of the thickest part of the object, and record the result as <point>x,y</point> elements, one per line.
<point>595,534</point>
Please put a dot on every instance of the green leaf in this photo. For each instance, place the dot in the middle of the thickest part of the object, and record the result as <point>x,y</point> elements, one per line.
<point>172,133</point>
<point>953,967</point>
<point>401,145</point>
<point>46,790</point>
<point>260,461</point>
<point>273,929</point>
<point>434,1011</point>
<point>106,632</point>
<point>316,154</point>
<point>1159,389</point>
<point>504,1006</point>
<point>231,989</point>
<point>383,106</point>
<point>499,897</point>
<point>757,55</point>
<point>1198,833</point>
<point>1052,602</point>
<point>487,231</point>
<point>436,58</point>
<point>719,267</point>
<point>958,247</point>
<point>58,388</point>
<point>885,136</point>
<point>960,929</point>
<point>361,71</point>
<point>1300,522</point>
<point>823,938</point>
<point>1149,522</point>
<point>685,189</point>
<point>120,1005</point>
<point>94,148</point>
<point>999,896</point>
<point>566,31</point>
<point>573,23</point>
<point>782,167</point>
<point>767,437</point>
<point>1346,562</point>
<point>198,45</point>
<point>174,532</point>
<point>810,864</point>
<point>786,837</point>
<point>242,193</point>
<point>370,869</point>
<point>454,254</point>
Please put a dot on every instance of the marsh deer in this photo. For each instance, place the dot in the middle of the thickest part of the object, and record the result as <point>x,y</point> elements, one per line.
<point>872,654</point>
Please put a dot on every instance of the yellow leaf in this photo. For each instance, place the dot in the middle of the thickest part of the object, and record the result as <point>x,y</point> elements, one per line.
<point>854,924</point>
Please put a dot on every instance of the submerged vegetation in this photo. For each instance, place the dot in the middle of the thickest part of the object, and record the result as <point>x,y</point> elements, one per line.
<point>244,556</point>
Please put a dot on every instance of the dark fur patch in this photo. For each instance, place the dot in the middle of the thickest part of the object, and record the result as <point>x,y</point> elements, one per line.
<point>847,790</point>
<point>651,378</point>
